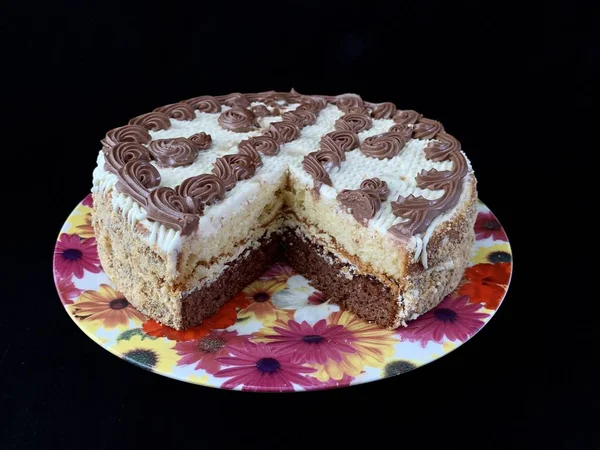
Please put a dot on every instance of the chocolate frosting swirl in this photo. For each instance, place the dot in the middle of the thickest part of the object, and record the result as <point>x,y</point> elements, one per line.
<point>173,152</point>
<point>407,116</point>
<point>358,110</point>
<point>205,103</point>
<point>353,122</point>
<point>127,133</point>
<point>328,158</point>
<point>442,147</point>
<point>417,211</point>
<point>346,101</point>
<point>250,151</point>
<point>300,118</point>
<point>313,104</point>
<point>383,110</point>
<point>315,169</point>
<point>178,111</point>
<point>426,129</point>
<point>420,212</point>
<point>347,140</point>
<point>136,178</point>
<point>362,204</point>
<point>382,146</point>
<point>404,130</point>
<point>202,140</point>
<point>261,111</point>
<point>328,144</point>
<point>263,144</point>
<point>237,119</point>
<point>377,187</point>
<point>233,168</point>
<point>233,100</point>
<point>201,190</point>
<point>283,131</point>
<point>122,153</point>
<point>152,121</point>
<point>170,209</point>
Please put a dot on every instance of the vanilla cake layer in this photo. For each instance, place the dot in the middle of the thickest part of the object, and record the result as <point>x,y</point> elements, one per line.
<point>158,266</point>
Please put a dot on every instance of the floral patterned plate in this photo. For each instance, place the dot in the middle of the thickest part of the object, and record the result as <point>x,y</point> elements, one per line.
<point>278,334</point>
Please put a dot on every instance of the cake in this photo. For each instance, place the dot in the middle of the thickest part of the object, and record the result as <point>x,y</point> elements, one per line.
<point>194,200</point>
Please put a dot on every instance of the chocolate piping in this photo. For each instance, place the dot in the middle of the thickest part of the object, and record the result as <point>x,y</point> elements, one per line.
<point>122,153</point>
<point>201,190</point>
<point>205,103</point>
<point>233,168</point>
<point>136,178</point>
<point>174,152</point>
<point>383,146</point>
<point>420,212</point>
<point>202,140</point>
<point>353,122</point>
<point>127,133</point>
<point>170,209</point>
<point>363,203</point>
<point>178,111</point>
<point>152,121</point>
<point>237,119</point>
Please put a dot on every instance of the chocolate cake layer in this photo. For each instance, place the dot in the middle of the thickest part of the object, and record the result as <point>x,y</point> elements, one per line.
<point>364,295</point>
<point>206,301</point>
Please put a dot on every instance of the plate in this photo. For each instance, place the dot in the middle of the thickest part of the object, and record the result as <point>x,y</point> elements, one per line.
<point>278,334</point>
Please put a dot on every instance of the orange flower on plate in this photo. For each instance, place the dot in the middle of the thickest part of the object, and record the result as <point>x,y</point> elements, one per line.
<point>486,283</point>
<point>106,306</point>
<point>259,295</point>
<point>225,317</point>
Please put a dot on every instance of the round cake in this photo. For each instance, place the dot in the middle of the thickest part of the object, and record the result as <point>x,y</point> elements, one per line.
<point>194,200</point>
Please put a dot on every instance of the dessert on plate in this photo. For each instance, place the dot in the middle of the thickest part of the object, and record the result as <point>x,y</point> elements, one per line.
<point>194,200</point>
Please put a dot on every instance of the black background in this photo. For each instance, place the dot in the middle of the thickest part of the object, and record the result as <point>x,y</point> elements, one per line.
<point>491,72</point>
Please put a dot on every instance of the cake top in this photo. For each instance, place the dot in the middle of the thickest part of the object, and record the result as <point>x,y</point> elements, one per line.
<point>182,165</point>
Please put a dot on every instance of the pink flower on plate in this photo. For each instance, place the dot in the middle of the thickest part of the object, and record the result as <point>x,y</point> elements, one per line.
<point>313,344</point>
<point>454,318</point>
<point>258,367</point>
<point>316,298</point>
<point>72,255</point>
<point>67,290</point>
<point>88,201</point>
<point>487,225</point>
<point>204,351</point>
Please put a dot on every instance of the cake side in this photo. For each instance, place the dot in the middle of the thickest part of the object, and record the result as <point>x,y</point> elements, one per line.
<point>146,277</point>
<point>149,282</point>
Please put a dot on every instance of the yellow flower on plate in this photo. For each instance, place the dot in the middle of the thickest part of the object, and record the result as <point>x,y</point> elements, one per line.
<point>260,293</point>
<point>372,347</point>
<point>106,307</point>
<point>80,222</point>
<point>203,380</point>
<point>499,252</point>
<point>448,346</point>
<point>152,354</point>
<point>85,230</point>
